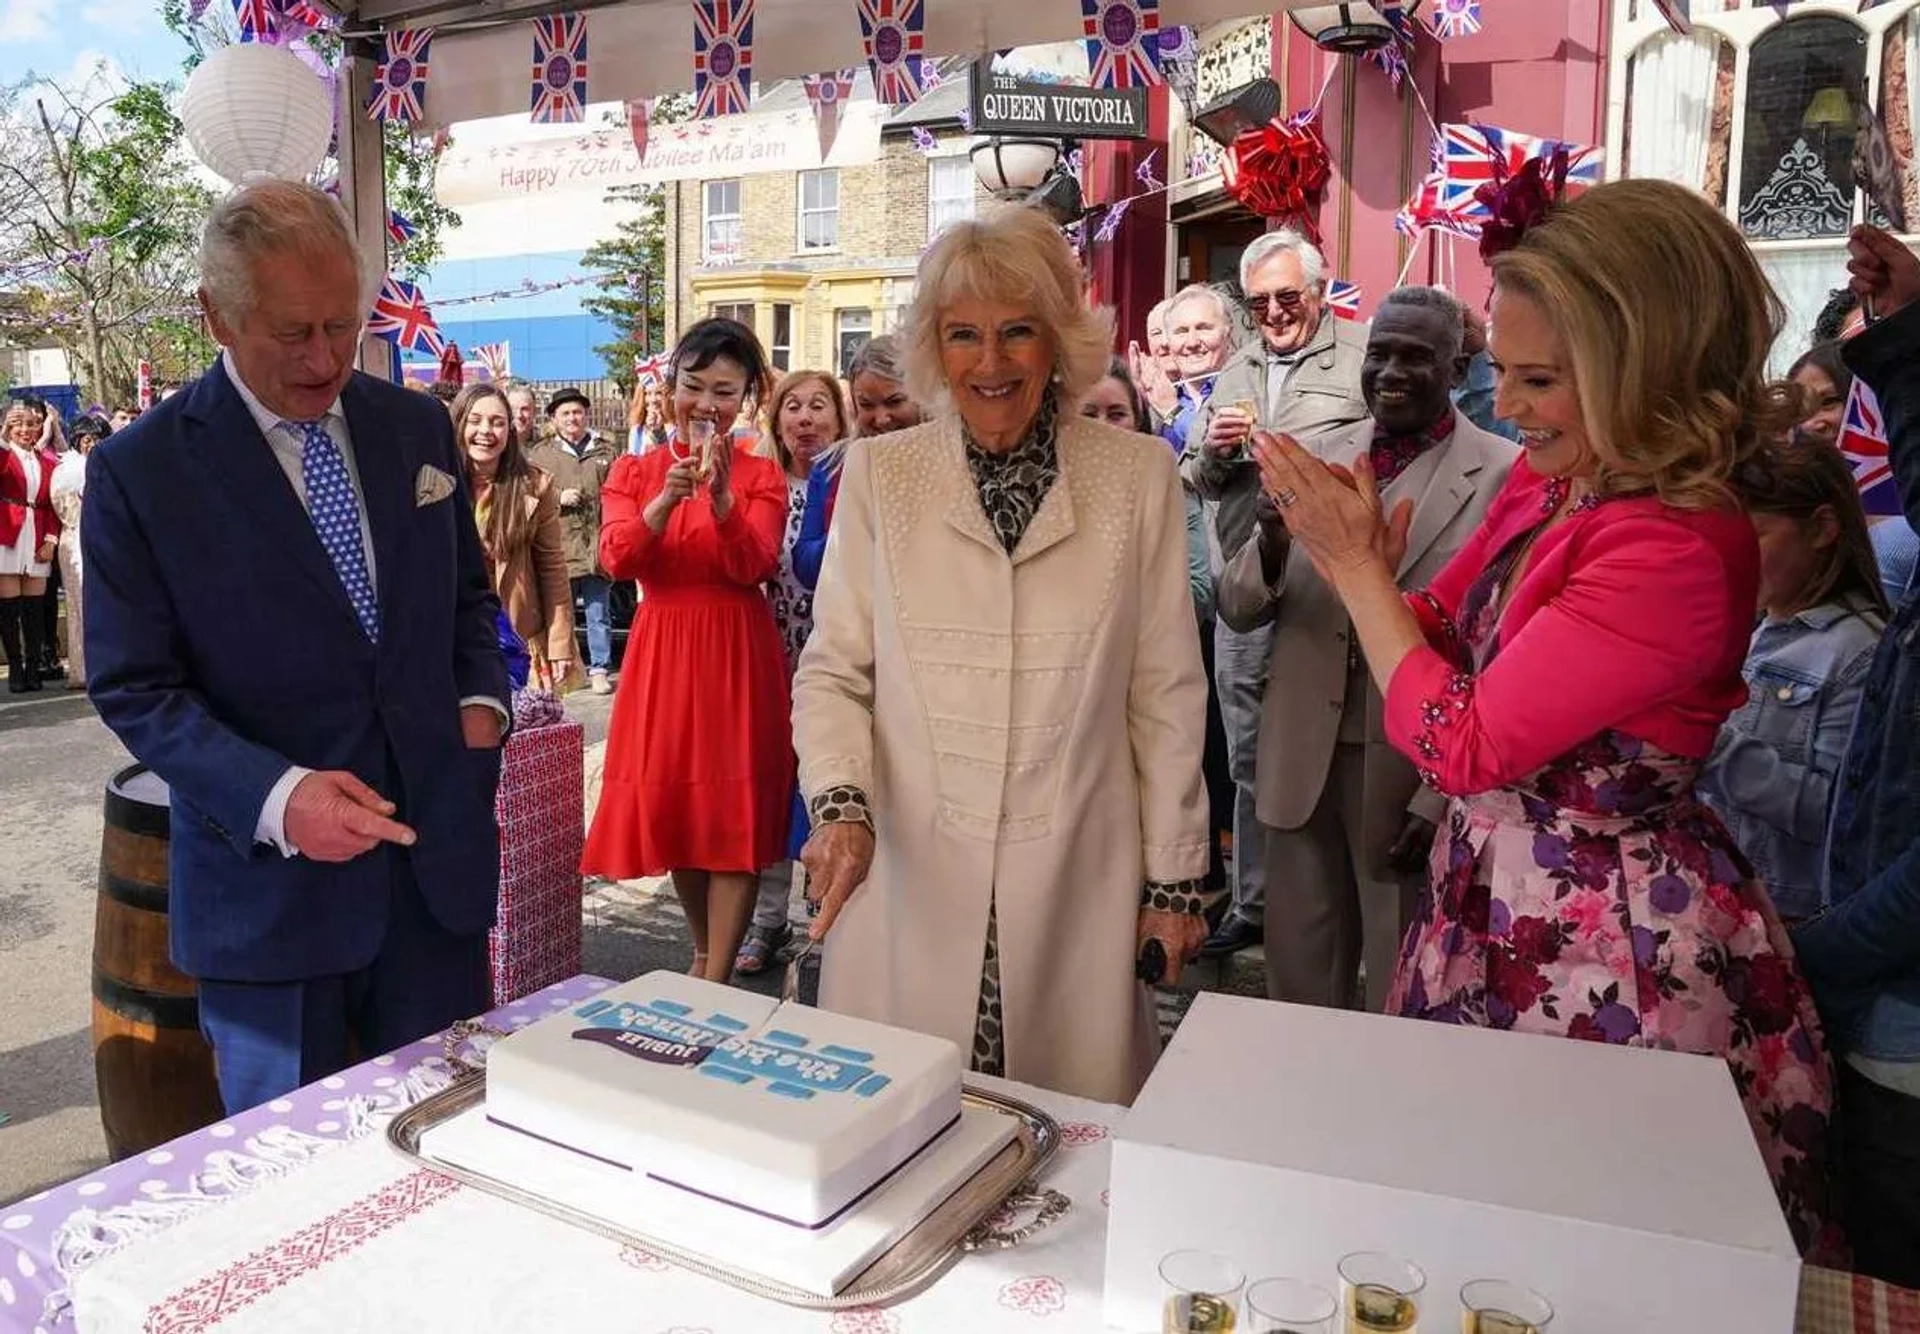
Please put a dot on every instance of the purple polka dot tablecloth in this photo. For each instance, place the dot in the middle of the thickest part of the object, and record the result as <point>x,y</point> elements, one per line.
<point>47,1238</point>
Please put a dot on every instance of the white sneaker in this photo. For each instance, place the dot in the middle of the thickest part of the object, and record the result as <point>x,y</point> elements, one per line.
<point>601,685</point>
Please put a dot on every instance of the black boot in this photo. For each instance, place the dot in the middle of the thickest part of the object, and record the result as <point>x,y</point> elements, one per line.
<point>32,639</point>
<point>10,643</point>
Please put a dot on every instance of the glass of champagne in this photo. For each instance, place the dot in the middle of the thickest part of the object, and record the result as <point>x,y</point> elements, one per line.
<point>700,429</point>
<point>1290,1306</point>
<point>1493,1306</point>
<point>1380,1294</point>
<point>1200,1293</point>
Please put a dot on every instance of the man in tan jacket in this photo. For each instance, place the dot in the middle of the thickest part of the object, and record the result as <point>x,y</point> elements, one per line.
<point>578,459</point>
<point>1347,823</point>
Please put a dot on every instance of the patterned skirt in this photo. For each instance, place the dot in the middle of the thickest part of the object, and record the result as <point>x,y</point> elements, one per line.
<point>1598,900</point>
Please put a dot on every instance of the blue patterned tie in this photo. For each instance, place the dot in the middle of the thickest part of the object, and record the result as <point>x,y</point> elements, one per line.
<point>335,512</point>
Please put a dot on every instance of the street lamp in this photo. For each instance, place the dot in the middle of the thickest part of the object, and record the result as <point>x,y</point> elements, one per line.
<point>1345,28</point>
<point>1028,171</point>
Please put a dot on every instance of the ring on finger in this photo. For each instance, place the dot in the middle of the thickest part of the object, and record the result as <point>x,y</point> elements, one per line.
<point>1286,497</point>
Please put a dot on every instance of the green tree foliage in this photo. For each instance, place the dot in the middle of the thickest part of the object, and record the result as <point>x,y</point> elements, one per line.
<point>99,246</point>
<point>631,266</point>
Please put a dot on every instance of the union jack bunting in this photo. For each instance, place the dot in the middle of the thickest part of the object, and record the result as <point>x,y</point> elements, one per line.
<point>1110,224</point>
<point>722,57</point>
<point>1393,56</point>
<point>1343,298</point>
<point>1680,19</point>
<point>400,316</point>
<point>256,20</point>
<point>894,33</point>
<point>1397,18</point>
<point>559,69</point>
<point>1478,155</point>
<point>400,77</point>
<point>653,369</point>
<point>399,229</point>
<point>300,14</point>
<point>1454,18</point>
<point>1123,42</point>
<point>827,94</point>
<point>1863,440</point>
<point>494,357</point>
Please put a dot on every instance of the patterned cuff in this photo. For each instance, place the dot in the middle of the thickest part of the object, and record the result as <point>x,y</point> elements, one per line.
<point>1436,715</point>
<point>845,804</point>
<point>1180,896</point>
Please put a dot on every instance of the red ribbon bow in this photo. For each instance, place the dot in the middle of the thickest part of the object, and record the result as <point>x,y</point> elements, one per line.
<point>1521,201</point>
<point>1279,171</point>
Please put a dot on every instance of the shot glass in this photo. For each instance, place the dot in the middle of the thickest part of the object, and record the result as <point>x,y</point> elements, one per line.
<point>1199,1293</point>
<point>1290,1306</point>
<point>1380,1294</point>
<point>1494,1306</point>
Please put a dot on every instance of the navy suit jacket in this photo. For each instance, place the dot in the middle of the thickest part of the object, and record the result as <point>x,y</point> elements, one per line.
<point>221,649</point>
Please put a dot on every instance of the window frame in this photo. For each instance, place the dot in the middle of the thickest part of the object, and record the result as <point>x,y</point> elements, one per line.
<point>934,200</point>
<point>709,252</point>
<point>842,357</point>
<point>803,213</point>
<point>779,351</point>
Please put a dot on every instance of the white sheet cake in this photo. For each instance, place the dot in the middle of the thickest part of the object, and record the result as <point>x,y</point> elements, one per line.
<point>787,1111</point>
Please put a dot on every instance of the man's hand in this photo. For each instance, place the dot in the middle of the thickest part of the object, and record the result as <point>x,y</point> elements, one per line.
<point>1410,850</point>
<point>1152,381</point>
<point>837,858</point>
<point>1227,431</point>
<point>334,817</point>
<point>569,497</point>
<point>480,726</point>
<point>1886,276</point>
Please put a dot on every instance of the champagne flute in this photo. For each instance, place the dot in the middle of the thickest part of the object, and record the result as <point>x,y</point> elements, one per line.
<point>701,433</point>
<point>1492,1306</point>
<point>1200,1293</point>
<point>1380,1293</point>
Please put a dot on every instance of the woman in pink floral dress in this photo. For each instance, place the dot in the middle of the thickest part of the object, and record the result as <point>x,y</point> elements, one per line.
<point>1565,676</point>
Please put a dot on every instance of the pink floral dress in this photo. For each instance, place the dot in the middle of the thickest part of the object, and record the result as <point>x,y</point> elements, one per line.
<point>1598,899</point>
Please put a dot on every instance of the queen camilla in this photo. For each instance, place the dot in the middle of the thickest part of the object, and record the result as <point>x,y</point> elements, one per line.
<point>999,716</point>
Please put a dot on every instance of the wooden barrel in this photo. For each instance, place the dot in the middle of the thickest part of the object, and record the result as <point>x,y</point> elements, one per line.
<point>153,1069</point>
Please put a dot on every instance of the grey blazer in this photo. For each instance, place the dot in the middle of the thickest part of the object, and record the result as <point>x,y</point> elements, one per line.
<point>1451,487</point>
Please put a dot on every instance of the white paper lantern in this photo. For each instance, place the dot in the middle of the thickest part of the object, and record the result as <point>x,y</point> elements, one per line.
<point>253,111</point>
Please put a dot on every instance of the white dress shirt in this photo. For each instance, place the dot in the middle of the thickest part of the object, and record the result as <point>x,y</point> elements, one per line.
<point>288,443</point>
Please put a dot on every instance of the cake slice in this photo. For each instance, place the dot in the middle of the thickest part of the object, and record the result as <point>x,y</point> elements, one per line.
<point>789,1112</point>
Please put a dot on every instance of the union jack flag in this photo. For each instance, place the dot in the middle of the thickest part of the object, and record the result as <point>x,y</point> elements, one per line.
<point>1478,155</point>
<point>1454,18</point>
<point>653,369</point>
<point>559,69</point>
<point>894,33</point>
<point>256,20</point>
<point>722,57</point>
<point>300,14</point>
<point>1863,439</point>
<point>1123,42</point>
<point>400,316</point>
<point>399,229</point>
<point>400,77</point>
<point>1397,18</point>
<point>1343,298</point>
<point>494,357</point>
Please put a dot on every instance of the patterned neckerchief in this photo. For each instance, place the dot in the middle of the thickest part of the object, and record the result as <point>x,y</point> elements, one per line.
<point>1012,485</point>
<point>1391,455</point>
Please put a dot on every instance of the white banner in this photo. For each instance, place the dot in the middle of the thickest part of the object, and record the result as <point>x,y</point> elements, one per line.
<point>759,141</point>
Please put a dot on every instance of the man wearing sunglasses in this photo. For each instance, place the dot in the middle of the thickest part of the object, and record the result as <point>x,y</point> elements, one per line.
<point>1300,377</point>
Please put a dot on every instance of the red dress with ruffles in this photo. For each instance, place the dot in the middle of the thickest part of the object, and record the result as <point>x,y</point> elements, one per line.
<point>699,770</point>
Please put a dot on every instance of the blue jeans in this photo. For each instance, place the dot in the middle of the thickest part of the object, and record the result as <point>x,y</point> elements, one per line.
<point>592,590</point>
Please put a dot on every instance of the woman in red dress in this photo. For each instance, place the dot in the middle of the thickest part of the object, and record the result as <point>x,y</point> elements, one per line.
<point>699,775</point>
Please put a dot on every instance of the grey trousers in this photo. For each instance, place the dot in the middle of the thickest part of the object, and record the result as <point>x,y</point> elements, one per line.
<point>1240,663</point>
<point>776,889</point>
<point>1334,902</point>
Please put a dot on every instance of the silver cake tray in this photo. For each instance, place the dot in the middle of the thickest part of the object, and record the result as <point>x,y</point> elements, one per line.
<point>975,1217</point>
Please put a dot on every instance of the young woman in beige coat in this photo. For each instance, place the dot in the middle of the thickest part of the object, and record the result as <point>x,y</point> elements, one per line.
<point>1000,714</point>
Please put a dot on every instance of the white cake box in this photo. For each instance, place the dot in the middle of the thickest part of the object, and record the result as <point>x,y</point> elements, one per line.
<point>1624,1185</point>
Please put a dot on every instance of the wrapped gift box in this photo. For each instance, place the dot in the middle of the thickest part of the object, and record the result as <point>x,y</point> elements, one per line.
<point>1622,1184</point>
<point>541,810</point>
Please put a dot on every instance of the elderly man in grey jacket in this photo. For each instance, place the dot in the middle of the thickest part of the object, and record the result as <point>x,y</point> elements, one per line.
<point>1301,376</point>
<point>1348,825</point>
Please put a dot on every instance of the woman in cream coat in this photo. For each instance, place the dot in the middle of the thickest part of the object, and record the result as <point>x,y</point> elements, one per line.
<point>1000,714</point>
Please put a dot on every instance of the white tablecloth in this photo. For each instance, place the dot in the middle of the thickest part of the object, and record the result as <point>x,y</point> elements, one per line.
<point>363,1240</point>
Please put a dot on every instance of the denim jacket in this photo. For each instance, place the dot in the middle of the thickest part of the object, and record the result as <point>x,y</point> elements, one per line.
<point>1771,773</point>
<point>1862,955</point>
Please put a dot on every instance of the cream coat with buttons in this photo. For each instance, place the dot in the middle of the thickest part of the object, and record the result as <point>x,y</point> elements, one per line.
<point>1029,731</point>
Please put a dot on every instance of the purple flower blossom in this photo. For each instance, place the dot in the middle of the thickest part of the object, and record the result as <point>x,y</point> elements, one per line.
<point>1670,894</point>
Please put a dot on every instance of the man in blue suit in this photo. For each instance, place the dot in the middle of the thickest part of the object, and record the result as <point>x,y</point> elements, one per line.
<point>289,620</point>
